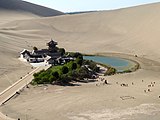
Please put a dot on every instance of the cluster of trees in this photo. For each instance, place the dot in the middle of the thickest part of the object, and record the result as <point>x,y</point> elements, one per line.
<point>75,70</point>
<point>64,74</point>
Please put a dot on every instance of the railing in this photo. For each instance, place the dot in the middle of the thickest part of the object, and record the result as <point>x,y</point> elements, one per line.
<point>17,86</point>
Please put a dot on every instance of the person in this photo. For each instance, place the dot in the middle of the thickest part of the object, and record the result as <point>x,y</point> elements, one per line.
<point>105,82</point>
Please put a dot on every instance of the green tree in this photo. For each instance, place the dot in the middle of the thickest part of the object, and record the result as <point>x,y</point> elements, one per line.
<point>35,48</point>
<point>74,66</point>
<point>65,70</point>
<point>62,51</point>
<point>78,55</point>
<point>55,74</point>
<point>51,79</point>
<point>79,61</point>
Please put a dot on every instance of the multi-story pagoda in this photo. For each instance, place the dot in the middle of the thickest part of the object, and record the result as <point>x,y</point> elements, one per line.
<point>52,46</point>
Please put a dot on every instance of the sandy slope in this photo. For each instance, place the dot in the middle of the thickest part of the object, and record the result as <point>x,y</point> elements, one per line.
<point>8,16</point>
<point>12,41</point>
<point>129,31</point>
<point>133,30</point>
<point>20,5</point>
<point>11,68</point>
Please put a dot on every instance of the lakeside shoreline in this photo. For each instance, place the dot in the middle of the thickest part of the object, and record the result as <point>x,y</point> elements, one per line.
<point>132,67</point>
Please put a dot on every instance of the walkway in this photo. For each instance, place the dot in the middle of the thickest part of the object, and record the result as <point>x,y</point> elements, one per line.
<point>17,86</point>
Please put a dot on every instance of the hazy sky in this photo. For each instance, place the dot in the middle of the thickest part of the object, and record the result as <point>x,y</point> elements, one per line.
<point>88,5</point>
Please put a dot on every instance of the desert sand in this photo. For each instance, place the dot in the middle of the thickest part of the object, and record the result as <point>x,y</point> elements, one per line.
<point>94,101</point>
<point>125,33</point>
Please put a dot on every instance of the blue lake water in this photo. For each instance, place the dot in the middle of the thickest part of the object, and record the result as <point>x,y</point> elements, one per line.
<point>118,63</point>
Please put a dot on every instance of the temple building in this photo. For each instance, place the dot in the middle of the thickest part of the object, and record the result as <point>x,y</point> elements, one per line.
<point>41,55</point>
<point>51,56</point>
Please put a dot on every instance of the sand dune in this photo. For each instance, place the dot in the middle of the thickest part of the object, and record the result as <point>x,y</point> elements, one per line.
<point>19,5</point>
<point>128,31</point>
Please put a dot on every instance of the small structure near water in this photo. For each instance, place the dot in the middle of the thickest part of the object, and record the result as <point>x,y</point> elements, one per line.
<point>44,57</point>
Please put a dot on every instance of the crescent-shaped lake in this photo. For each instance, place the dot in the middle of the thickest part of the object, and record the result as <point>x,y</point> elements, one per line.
<point>118,63</point>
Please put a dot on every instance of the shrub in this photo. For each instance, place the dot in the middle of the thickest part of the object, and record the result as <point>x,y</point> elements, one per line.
<point>35,74</point>
<point>96,69</point>
<point>127,71</point>
<point>110,71</point>
<point>83,73</point>
<point>65,78</point>
<point>44,79</point>
<point>92,65</point>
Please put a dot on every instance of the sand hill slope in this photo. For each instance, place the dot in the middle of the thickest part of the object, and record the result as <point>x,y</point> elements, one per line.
<point>130,31</point>
<point>19,5</point>
<point>13,10</point>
